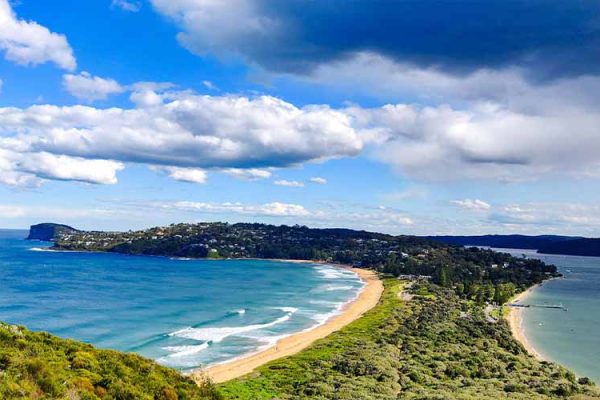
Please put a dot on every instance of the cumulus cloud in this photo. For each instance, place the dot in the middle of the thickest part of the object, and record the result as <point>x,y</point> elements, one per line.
<point>499,108</point>
<point>30,168</point>
<point>318,180</point>
<point>472,204</point>
<point>274,209</point>
<point>287,183</point>
<point>188,131</point>
<point>29,43</point>
<point>359,217</point>
<point>487,141</point>
<point>250,174</point>
<point>244,136</point>
<point>91,88</point>
<point>127,5</point>
<point>550,217</point>
<point>190,175</point>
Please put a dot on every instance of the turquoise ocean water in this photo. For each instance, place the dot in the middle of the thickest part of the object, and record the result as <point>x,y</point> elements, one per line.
<point>183,313</point>
<point>571,338</point>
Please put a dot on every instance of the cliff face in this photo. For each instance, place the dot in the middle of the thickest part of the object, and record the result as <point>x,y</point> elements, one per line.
<point>48,231</point>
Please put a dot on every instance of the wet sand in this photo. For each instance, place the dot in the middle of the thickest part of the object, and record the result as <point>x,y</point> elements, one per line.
<point>515,320</point>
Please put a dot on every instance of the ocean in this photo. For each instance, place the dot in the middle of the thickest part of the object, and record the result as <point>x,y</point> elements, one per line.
<point>183,313</point>
<point>571,338</point>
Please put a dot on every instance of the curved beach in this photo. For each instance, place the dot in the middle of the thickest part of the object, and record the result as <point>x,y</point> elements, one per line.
<point>515,320</point>
<point>367,299</point>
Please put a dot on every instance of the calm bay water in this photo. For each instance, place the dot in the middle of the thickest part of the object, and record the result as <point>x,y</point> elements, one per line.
<point>183,313</point>
<point>571,338</point>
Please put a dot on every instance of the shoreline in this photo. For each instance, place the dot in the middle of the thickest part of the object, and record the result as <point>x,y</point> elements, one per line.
<point>515,321</point>
<point>367,298</point>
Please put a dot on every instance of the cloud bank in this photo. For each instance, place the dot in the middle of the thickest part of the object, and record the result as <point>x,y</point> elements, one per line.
<point>553,38</point>
<point>188,134</point>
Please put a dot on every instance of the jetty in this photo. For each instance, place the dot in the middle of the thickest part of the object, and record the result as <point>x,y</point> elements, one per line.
<point>555,306</point>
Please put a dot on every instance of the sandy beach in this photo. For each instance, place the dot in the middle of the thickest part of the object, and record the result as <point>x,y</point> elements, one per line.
<point>367,299</point>
<point>515,320</point>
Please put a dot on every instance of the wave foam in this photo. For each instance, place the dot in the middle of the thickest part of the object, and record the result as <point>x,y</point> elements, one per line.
<point>41,249</point>
<point>331,288</point>
<point>334,273</point>
<point>290,310</point>
<point>183,351</point>
<point>216,335</point>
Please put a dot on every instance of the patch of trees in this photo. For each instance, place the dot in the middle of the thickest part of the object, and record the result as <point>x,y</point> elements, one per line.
<point>435,346</point>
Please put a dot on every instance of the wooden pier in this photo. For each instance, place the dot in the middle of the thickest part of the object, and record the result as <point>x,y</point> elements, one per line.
<point>555,306</point>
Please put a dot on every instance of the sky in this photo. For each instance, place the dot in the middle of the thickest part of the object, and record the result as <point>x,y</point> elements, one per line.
<point>406,117</point>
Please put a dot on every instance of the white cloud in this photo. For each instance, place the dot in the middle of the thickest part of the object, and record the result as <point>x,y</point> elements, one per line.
<point>30,169</point>
<point>50,166</point>
<point>485,140</point>
<point>209,85</point>
<point>274,209</point>
<point>208,24</point>
<point>287,183</point>
<point>549,217</point>
<point>472,204</point>
<point>127,5</point>
<point>190,175</point>
<point>250,174</point>
<point>91,88</point>
<point>378,219</point>
<point>318,180</point>
<point>28,43</point>
<point>186,131</point>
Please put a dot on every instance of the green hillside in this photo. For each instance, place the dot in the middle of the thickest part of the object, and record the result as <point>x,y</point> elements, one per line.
<point>428,344</point>
<point>41,366</point>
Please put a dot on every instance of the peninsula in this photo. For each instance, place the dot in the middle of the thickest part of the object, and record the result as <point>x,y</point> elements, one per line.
<point>436,331</point>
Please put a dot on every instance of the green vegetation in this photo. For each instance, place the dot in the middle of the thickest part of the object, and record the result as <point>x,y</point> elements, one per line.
<point>475,274</point>
<point>440,344</point>
<point>434,346</point>
<point>42,366</point>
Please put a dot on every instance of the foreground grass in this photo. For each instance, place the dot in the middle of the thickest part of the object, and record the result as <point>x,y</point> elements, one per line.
<point>42,366</point>
<point>434,346</point>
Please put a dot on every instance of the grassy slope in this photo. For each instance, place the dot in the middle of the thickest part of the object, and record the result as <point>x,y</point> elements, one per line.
<point>41,366</point>
<point>419,349</point>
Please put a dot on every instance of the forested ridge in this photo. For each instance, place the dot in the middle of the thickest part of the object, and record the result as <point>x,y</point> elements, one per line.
<point>476,274</point>
<point>425,344</point>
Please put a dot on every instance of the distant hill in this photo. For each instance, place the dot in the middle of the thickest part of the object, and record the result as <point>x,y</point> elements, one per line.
<point>503,241</point>
<point>48,231</point>
<point>579,247</point>
<point>544,244</point>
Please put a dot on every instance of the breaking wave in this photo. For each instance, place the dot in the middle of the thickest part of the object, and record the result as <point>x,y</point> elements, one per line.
<point>216,335</point>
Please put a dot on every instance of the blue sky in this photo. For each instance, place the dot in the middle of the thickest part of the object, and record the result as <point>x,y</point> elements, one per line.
<point>415,117</point>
